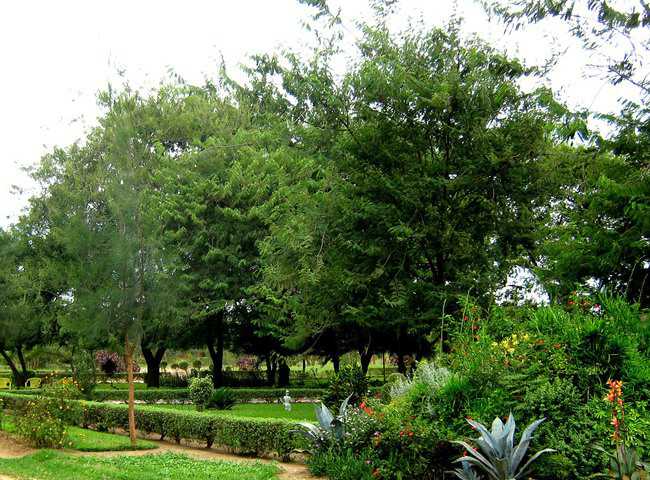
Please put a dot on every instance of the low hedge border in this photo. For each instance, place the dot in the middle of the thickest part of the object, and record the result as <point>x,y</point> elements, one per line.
<point>153,395</point>
<point>240,435</point>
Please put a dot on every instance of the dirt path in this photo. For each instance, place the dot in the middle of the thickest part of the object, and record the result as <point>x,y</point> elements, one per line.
<point>9,448</point>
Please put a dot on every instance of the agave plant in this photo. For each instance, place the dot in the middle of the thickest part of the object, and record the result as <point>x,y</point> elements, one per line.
<point>497,455</point>
<point>330,428</point>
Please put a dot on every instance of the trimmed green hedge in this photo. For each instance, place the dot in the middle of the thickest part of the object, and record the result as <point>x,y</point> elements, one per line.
<point>257,436</point>
<point>153,395</point>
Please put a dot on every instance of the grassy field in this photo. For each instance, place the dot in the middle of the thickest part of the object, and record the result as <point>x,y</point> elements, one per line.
<point>54,465</point>
<point>299,411</point>
<point>91,441</point>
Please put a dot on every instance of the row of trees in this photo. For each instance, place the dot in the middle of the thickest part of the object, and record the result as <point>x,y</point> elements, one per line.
<point>306,211</point>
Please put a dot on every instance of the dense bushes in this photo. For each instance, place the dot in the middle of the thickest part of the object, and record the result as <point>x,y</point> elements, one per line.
<point>550,362</point>
<point>349,380</point>
<point>241,435</point>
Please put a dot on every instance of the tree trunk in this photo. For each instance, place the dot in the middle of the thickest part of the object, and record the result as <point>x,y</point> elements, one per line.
<point>128,354</point>
<point>336,362</point>
<point>216,353</point>
<point>270,371</point>
<point>366,357</point>
<point>284,374</point>
<point>19,377</point>
<point>153,366</point>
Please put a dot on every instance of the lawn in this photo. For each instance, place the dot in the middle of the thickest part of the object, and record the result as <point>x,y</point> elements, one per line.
<point>299,411</point>
<point>92,441</point>
<point>54,465</point>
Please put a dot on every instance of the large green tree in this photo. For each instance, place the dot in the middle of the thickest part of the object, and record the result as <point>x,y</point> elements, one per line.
<point>600,236</point>
<point>98,199</point>
<point>431,181</point>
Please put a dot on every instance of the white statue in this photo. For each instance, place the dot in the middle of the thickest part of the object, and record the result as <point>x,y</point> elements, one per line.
<point>286,400</point>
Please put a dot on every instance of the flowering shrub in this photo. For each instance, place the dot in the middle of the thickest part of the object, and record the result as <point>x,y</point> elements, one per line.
<point>111,363</point>
<point>39,427</point>
<point>246,363</point>
<point>65,389</point>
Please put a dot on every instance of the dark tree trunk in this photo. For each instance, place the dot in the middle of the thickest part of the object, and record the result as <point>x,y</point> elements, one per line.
<point>284,374</point>
<point>270,371</point>
<point>366,357</point>
<point>215,347</point>
<point>401,366</point>
<point>19,377</point>
<point>336,362</point>
<point>153,360</point>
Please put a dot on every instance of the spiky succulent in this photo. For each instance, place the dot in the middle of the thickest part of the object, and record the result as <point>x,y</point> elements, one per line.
<point>330,428</point>
<point>497,456</point>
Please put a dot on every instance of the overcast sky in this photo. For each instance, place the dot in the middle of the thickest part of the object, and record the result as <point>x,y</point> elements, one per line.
<point>56,55</point>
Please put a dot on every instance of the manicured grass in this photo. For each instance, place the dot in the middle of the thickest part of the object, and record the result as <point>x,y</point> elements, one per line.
<point>53,465</point>
<point>120,386</point>
<point>299,411</point>
<point>92,441</point>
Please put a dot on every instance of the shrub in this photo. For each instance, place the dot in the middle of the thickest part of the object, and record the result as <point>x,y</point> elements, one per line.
<point>173,380</point>
<point>201,391</point>
<point>63,389</point>
<point>428,377</point>
<point>183,365</point>
<point>38,426</point>
<point>340,465</point>
<point>242,435</point>
<point>109,362</point>
<point>84,372</point>
<point>222,399</point>
<point>350,380</point>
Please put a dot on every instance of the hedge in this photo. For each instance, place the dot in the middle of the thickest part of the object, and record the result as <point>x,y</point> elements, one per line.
<point>258,436</point>
<point>153,395</point>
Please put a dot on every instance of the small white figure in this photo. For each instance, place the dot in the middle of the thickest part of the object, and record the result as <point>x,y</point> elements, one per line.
<point>286,400</point>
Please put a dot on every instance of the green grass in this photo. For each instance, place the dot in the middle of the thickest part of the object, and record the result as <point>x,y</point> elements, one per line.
<point>120,386</point>
<point>299,411</point>
<point>53,465</point>
<point>91,441</point>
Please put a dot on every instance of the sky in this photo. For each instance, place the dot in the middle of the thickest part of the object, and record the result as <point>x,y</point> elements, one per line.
<point>56,56</point>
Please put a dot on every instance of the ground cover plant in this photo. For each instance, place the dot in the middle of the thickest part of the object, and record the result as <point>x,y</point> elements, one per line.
<point>54,465</point>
